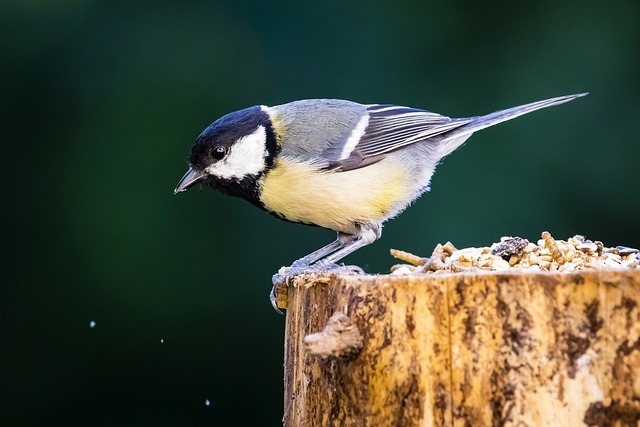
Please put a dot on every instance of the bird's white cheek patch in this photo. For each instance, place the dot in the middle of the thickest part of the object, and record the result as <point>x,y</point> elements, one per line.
<point>246,157</point>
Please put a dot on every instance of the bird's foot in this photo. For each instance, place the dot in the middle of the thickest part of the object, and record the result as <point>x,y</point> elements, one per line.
<point>284,277</point>
<point>278,295</point>
<point>321,267</point>
<point>324,266</point>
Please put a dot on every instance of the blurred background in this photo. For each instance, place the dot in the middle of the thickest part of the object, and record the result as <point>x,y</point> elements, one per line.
<point>126,305</point>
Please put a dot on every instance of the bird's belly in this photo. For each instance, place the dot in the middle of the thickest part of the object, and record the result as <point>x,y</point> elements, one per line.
<point>339,201</point>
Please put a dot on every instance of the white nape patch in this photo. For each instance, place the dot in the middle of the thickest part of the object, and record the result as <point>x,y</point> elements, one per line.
<point>246,157</point>
<point>354,137</point>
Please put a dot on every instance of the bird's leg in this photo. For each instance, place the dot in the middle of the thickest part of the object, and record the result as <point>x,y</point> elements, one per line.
<point>325,258</point>
<point>366,235</point>
<point>301,265</point>
<point>320,253</point>
<point>280,281</point>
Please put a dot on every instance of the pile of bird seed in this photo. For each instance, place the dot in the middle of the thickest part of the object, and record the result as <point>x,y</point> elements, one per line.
<point>518,254</point>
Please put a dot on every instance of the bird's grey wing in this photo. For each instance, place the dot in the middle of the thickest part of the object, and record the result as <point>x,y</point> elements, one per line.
<point>383,129</point>
<point>310,127</point>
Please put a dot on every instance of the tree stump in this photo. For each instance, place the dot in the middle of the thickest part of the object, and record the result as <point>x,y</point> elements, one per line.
<point>464,349</point>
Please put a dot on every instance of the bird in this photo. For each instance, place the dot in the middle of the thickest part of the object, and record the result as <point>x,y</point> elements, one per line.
<point>337,164</point>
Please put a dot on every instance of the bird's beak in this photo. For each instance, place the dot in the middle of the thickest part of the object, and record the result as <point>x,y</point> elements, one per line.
<point>189,179</point>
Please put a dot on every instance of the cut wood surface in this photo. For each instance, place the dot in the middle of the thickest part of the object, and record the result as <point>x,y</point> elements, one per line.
<point>466,349</point>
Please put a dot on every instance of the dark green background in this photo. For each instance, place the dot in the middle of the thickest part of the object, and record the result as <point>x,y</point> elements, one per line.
<point>102,100</point>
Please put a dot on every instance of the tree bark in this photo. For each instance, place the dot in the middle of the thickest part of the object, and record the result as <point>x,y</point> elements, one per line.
<point>470,349</point>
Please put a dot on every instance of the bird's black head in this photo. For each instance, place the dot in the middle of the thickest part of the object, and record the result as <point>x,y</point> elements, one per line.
<point>232,153</point>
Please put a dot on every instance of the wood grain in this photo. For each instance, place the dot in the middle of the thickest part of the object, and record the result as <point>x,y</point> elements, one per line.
<point>470,349</point>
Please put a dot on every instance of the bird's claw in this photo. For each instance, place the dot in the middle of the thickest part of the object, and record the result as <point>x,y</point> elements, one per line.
<point>283,278</point>
<point>273,297</point>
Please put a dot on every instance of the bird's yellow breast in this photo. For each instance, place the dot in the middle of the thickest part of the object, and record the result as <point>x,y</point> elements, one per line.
<point>336,200</point>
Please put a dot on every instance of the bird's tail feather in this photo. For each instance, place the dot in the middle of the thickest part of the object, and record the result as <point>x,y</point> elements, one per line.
<point>511,113</point>
<point>456,137</point>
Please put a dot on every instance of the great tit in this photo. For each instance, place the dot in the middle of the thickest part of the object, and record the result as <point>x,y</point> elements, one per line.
<point>336,164</point>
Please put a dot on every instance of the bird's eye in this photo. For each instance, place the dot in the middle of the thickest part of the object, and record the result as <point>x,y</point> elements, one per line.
<point>218,152</point>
